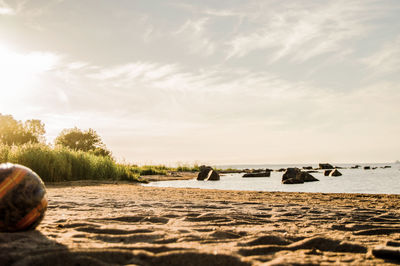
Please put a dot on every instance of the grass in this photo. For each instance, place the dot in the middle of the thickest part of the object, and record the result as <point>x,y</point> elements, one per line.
<point>188,168</point>
<point>62,164</point>
<point>150,169</point>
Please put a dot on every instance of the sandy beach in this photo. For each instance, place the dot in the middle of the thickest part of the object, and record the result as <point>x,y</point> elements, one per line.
<point>92,223</point>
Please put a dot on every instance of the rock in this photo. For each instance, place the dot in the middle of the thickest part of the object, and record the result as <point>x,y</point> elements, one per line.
<point>335,173</point>
<point>373,168</point>
<point>355,166</point>
<point>258,174</point>
<point>296,176</point>
<point>204,170</point>
<point>325,166</point>
<point>387,166</point>
<point>307,167</point>
<point>207,173</point>
<point>312,171</point>
<point>327,172</point>
<point>290,173</point>
<point>281,170</point>
<point>257,170</point>
<point>367,167</point>
<point>292,181</point>
<point>306,177</point>
<point>214,176</point>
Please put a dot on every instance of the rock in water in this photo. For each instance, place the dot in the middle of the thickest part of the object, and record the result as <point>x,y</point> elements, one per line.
<point>203,174</point>
<point>292,181</point>
<point>335,173</point>
<point>306,177</point>
<point>23,199</point>
<point>207,174</point>
<point>258,174</point>
<point>213,176</point>
<point>290,173</point>
<point>296,176</point>
<point>327,172</point>
<point>325,166</point>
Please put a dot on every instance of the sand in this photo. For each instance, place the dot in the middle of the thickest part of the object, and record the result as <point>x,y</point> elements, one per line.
<point>91,223</point>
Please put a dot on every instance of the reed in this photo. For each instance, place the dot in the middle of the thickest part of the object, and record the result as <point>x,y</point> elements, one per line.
<point>188,168</point>
<point>62,164</point>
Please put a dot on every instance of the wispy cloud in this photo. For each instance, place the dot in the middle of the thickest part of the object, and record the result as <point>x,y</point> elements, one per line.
<point>143,103</point>
<point>301,31</point>
<point>386,60</point>
<point>155,84</point>
<point>194,33</point>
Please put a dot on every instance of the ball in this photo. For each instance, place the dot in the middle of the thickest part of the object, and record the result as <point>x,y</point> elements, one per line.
<point>23,200</point>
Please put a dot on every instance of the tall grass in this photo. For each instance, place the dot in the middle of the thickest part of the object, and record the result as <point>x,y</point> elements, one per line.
<point>188,168</point>
<point>62,164</point>
<point>151,169</point>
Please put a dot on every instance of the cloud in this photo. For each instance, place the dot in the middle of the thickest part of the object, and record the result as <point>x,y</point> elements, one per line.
<point>386,60</point>
<point>5,9</point>
<point>301,31</point>
<point>163,110</point>
<point>193,32</point>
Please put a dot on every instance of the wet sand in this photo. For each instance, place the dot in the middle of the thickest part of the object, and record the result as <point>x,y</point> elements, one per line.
<point>90,223</point>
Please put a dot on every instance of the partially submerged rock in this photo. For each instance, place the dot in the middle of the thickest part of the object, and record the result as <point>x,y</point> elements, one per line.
<point>292,181</point>
<point>207,173</point>
<point>325,166</point>
<point>327,172</point>
<point>258,174</point>
<point>296,176</point>
<point>306,177</point>
<point>290,173</point>
<point>335,172</point>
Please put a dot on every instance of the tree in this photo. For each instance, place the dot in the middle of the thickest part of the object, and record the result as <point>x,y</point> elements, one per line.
<point>87,141</point>
<point>36,129</point>
<point>13,132</point>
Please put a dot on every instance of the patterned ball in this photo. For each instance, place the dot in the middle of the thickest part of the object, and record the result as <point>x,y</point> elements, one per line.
<point>23,199</point>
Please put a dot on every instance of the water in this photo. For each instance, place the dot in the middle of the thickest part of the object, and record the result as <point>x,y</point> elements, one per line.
<point>378,181</point>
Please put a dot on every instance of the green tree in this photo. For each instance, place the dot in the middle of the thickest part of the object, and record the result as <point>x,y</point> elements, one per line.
<point>13,132</point>
<point>87,141</point>
<point>36,130</point>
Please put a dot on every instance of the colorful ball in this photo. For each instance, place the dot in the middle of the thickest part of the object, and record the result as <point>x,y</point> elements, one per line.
<point>23,199</point>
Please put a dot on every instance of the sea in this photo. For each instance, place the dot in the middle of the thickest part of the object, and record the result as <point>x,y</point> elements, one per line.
<point>375,181</point>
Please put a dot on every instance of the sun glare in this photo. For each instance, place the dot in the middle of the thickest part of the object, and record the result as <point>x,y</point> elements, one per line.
<point>20,73</point>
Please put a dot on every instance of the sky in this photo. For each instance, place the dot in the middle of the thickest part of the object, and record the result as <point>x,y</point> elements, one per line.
<point>216,82</point>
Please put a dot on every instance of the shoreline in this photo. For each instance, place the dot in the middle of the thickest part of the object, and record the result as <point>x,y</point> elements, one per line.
<point>129,223</point>
<point>170,176</point>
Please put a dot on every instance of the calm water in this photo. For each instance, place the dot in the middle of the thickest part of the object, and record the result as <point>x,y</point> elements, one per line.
<point>378,181</point>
